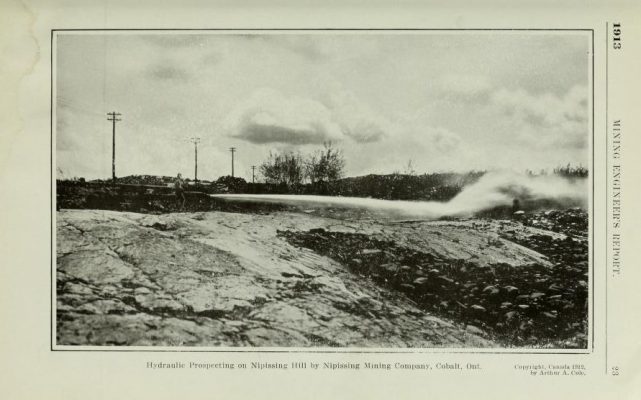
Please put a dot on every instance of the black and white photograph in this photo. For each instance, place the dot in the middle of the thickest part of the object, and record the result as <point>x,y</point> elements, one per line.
<point>322,189</point>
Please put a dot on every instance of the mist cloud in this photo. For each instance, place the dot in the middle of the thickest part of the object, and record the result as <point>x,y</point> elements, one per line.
<point>497,188</point>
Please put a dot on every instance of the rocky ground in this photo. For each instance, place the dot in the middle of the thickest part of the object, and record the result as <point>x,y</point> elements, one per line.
<point>309,278</point>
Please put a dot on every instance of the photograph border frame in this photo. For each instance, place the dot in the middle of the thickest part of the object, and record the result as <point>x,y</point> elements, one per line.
<point>314,350</point>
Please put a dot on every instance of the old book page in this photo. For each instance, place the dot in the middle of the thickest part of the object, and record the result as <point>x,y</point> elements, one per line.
<point>321,200</point>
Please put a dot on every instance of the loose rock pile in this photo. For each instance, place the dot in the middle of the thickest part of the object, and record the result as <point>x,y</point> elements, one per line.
<point>146,180</point>
<point>572,222</point>
<point>529,305</point>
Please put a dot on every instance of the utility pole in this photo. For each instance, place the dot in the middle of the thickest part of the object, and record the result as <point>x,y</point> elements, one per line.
<point>195,140</point>
<point>233,150</point>
<point>113,117</point>
<point>253,173</point>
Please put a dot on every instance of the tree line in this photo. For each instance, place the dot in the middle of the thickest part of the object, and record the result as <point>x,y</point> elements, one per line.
<point>293,168</point>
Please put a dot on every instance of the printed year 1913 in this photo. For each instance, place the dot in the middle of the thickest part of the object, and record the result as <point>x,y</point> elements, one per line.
<point>616,36</point>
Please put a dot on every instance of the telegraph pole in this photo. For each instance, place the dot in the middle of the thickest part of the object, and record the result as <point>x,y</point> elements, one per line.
<point>113,117</point>
<point>253,173</point>
<point>195,140</point>
<point>233,150</point>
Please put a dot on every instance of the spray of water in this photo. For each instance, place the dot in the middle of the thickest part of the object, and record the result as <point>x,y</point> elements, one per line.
<point>498,188</point>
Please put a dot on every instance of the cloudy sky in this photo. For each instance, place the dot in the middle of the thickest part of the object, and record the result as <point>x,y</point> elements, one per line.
<point>445,101</point>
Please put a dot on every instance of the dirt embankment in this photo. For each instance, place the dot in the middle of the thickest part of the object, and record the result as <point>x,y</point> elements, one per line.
<point>146,199</point>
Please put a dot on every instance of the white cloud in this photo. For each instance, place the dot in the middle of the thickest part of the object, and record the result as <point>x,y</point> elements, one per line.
<point>444,140</point>
<point>443,100</point>
<point>546,120</point>
<point>357,120</point>
<point>269,116</point>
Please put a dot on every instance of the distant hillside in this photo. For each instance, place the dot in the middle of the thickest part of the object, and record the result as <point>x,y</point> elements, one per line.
<point>436,186</point>
<point>141,180</point>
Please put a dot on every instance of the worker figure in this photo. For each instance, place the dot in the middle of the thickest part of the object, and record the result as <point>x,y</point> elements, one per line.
<point>179,186</point>
<point>517,213</point>
<point>516,205</point>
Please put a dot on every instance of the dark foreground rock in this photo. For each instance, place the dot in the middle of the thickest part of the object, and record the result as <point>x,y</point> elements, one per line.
<point>527,305</point>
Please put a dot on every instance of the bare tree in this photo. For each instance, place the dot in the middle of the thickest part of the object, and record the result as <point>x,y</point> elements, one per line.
<point>325,165</point>
<point>291,168</point>
<point>286,167</point>
<point>409,168</point>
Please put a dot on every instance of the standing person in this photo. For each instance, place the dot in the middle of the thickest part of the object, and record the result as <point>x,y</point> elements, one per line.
<point>179,186</point>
